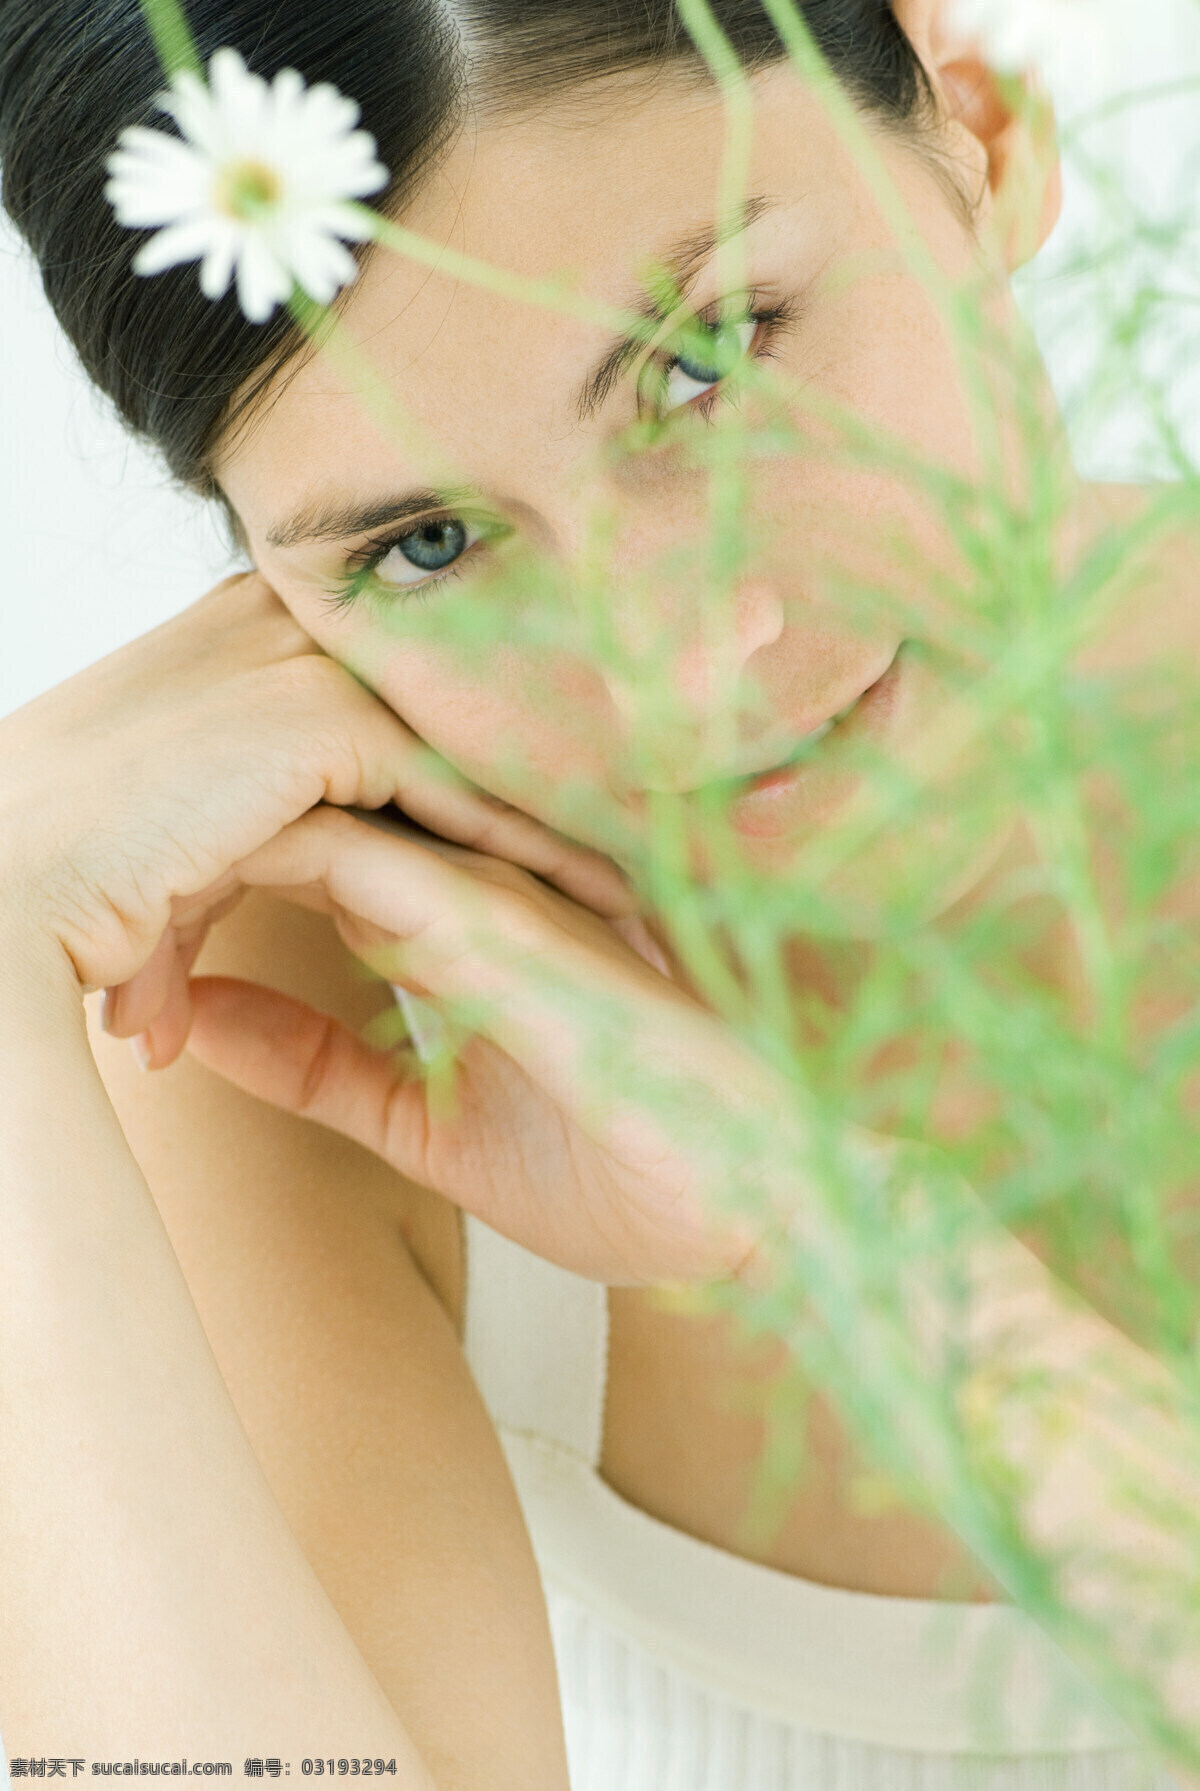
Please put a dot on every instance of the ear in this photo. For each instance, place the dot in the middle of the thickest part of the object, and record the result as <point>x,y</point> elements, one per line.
<point>1005,121</point>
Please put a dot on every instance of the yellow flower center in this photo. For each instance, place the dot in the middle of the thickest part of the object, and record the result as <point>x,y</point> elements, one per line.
<point>246,190</point>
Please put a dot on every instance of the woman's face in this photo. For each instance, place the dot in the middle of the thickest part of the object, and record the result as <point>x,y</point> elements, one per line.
<point>662,683</point>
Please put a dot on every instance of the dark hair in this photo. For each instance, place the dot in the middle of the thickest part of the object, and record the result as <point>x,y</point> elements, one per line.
<point>74,72</point>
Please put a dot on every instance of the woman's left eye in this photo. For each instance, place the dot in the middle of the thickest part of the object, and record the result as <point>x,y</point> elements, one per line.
<point>709,359</point>
<point>416,561</point>
<point>423,552</point>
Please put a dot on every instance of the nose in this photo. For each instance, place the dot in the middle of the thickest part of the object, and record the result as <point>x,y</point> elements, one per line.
<point>687,697</point>
<point>721,653</point>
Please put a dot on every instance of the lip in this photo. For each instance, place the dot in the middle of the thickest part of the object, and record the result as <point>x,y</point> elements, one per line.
<point>773,802</point>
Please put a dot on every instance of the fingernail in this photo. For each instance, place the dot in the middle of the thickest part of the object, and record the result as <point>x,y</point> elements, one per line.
<point>657,957</point>
<point>106,1009</point>
<point>636,933</point>
<point>141,1050</point>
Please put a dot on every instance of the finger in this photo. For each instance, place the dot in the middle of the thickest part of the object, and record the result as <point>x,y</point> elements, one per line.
<point>434,920</point>
<point>207,906</point>
<point>658,1083</point>
<point>308,1063</point>
<point>313,896</point>
<point>132,1006</point>
<point>165,1037</point>
<point>634,931</point>
<point>587,877</point>
<point>138,1004</point>
<point>442,801</point>
<point>531,984</point>
<point>154,1003</point>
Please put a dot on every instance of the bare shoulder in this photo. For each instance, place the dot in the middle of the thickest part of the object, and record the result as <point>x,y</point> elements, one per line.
<point>1154,633</point>
<point>1157,614</point>
<point>328,1289</point>
<point>1150,645</point>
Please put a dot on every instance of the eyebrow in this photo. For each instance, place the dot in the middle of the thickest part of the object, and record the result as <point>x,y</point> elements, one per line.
<point>675,272</point>
<point>339,521</point>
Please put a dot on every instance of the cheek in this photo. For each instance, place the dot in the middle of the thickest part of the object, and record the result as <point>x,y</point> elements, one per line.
<point>894,366</point>
<point>859,514</point>
<point>857,553</point>
<point>512,726</point>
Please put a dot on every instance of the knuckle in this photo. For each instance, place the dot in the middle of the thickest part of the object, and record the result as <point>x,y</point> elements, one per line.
<point>496,814</point>
<point>310,680</point>
<point>513,895</point>
<point>235,588</point>
<point>504,874</point>
<point>522,908</point>
<point>493,913</point>
<point>243,597</point>
<point>319,1066</point>
<point>247,599</point>
<point>251,585</point>
<point>496,830</point>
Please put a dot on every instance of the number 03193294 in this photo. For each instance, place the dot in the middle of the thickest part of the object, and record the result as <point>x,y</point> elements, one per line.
<point>320,1768</point>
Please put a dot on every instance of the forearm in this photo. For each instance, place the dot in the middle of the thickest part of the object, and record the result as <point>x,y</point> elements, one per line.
<point>155,1599</point>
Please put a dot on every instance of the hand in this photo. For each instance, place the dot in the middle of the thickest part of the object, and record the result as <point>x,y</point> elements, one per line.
<point>128,792</point>
<point>616,1170</point>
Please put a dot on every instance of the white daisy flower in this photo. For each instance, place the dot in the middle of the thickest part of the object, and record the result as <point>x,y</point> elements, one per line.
<point>1064,41</point>
<point>256,184</point>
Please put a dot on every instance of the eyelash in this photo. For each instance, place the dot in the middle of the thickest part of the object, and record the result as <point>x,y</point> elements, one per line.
<point>348,593</point>
<point>769,321</point>
<point>362,564</point>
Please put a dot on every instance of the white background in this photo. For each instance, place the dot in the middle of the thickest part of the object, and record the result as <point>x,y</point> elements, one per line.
<point>97,546</point>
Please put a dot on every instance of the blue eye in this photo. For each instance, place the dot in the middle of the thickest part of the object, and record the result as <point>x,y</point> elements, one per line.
<point>429,548</point>
<point>415,561</point>
<point>705,365</point>
<point>720,353</point>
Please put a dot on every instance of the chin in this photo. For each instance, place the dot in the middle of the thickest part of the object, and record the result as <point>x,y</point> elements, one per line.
<point>928,878</point>
<point>915,877</point>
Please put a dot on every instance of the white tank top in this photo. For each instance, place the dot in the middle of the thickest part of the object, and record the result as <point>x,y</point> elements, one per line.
<point>685,1668</point>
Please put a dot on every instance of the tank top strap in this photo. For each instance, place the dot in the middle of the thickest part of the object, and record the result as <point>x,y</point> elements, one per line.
<point>536,1341</point>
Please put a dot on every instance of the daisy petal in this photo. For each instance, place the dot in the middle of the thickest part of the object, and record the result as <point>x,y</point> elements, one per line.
<point>184,241</point>
<point>144,191</point>
<point>340,220</point>
<point>261,281</point>
<point>190,104</point>
<point>320,263</point>
<point>216,270</point>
